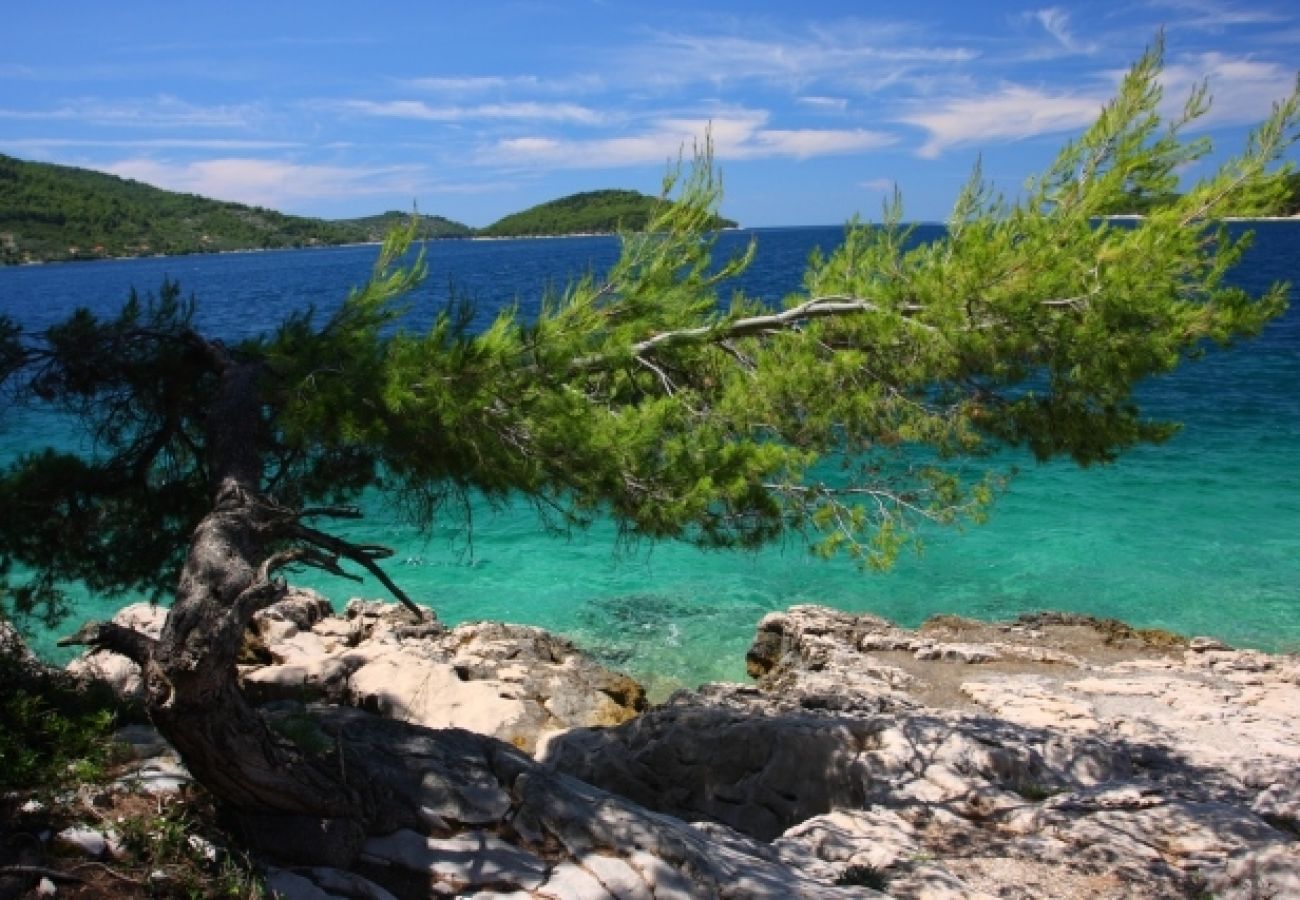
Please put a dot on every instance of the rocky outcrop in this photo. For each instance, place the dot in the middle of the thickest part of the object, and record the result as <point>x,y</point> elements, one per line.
<point>511,681</point>
<point>514,682</point>
<point>1054,757</point>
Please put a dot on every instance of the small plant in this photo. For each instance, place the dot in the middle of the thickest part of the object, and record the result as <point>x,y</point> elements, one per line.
<point>863,876</point>
<point>56,730</point>
<point>301,729</point>
<point>182,862</point>
<point>1035,791</point>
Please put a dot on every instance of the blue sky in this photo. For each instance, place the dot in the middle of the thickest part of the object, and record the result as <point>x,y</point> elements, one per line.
<point>475,110</point>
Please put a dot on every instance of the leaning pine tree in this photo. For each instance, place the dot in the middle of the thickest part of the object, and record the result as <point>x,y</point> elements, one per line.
<point>848,414</point>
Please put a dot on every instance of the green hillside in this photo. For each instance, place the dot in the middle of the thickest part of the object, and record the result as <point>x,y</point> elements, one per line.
<point>53,213</point>
<point>50,212</point>
<point>375,227</point>
<point>592,212</point>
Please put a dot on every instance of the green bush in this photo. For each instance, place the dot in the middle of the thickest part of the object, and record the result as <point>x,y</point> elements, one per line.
<point>53,730</point>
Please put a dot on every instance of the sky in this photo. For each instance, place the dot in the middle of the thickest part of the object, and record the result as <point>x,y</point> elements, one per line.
<point>476,110</point>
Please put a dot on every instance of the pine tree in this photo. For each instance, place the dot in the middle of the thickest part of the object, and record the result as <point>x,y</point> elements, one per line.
<point>852,412</point>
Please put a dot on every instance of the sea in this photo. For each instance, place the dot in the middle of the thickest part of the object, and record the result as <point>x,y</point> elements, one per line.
<point>1200,535</point>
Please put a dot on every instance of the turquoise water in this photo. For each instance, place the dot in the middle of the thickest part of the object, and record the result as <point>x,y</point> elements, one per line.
<point>1201,535</point>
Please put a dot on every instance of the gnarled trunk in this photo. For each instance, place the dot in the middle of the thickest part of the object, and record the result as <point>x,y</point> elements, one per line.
<point>299,804</point>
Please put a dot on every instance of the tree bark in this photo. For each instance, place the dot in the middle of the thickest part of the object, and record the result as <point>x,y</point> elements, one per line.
<point>296,803</point>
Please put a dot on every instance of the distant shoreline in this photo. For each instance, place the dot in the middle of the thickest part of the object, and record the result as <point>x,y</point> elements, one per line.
<point>1122,217</point>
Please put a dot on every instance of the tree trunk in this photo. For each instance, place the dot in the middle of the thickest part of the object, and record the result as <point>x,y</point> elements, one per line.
<point>280,797</point>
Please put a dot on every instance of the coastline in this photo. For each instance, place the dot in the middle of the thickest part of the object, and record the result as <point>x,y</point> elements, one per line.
<point>1054,756</point>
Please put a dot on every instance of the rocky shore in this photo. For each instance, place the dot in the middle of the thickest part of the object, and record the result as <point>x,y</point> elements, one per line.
<point>1057,756</point>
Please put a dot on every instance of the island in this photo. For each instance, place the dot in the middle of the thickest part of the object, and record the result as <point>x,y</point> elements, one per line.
<point>589,212</point>
<point>54,213</point>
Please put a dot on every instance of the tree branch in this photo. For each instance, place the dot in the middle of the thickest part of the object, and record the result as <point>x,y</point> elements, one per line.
<point>363,555</point>
<point>134,645</point>
<point>815,308</point>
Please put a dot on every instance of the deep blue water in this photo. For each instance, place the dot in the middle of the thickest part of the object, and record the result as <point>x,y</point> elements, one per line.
<point>1201,535</point>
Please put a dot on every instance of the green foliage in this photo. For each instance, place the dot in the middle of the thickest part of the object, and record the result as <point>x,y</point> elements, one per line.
<point>119,518</point>
<point>376,228</point>
<point>50,212</point>
<point>591,212</point>
<point>864,876</point>
<point>876,400</point>
<point>183,856</point>
<point>55,731</point>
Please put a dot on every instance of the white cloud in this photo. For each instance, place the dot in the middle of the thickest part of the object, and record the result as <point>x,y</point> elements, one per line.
<point>154,143</point>
<point>271,183</point>
<point>461,85</point>
<point>1215,16</point>
<point>1056,22</point>
<point>1012,113</point>
<point>849,51</point>
<point>163,111</point>
<point>826,104</point>
<point>419,110</point>
<point>737,134</point>
<point>879,185</point>
<point>1243,89</point>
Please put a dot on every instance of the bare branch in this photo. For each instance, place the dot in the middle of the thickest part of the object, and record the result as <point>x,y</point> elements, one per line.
<point>42,872</point>
<point>134,645</point>
<point>363,555</point>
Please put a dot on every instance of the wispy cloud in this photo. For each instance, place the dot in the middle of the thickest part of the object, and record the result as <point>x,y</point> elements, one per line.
<point>1056,22</point>
<point>273,183</point>
<point>1215,16</point>
<point>462,85</point>
<point>877,185</point>
<point>824,104</point>
<point>421,111</point>
<point>1243,89</point>
<point>852,49</point>
<point>740,134</point>
<point>1011,113</point>
<point>152,143</point>
<point>163,111</point>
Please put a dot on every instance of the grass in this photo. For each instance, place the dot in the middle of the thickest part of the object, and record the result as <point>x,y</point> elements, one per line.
<point>57,767</point>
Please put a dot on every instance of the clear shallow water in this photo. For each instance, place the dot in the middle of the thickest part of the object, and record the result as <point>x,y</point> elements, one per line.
<point>1200,536</point>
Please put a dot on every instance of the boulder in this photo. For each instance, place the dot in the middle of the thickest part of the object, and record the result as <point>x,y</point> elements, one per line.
<point>1055,756</point>
<point>120,674</point>
<point>511,681</point>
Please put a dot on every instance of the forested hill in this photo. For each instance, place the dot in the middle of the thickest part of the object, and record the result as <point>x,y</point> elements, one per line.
<point>375,227</point>
<point>592,212</point>
<point>51,212</point>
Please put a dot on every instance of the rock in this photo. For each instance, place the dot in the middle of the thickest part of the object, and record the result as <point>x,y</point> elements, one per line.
<point>1058,756</point>
<point>118,672</point>
<point>468,860</point>
<point>46,888</point>
<point>1082,757</point>
<point>514,682</point>
<point>157,775</point>
<point>1279,803</point>
<point>1271,872</point>
<point>140,741</point>
<point>966,653</point>
<point>551,829</point>
<point>83,840</point>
